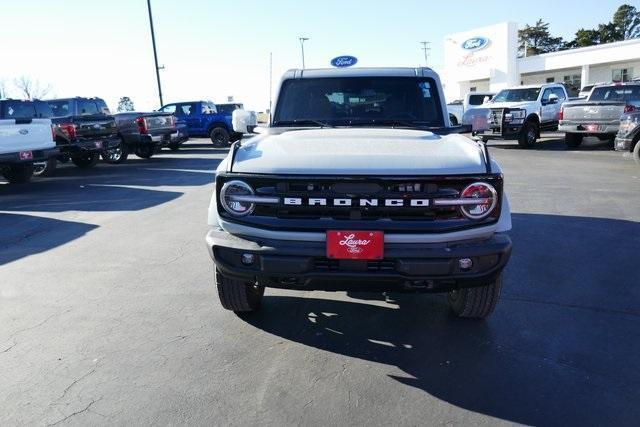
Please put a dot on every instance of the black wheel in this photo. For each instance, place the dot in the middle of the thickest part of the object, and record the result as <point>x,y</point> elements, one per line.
<point>86,161</point>
<point>636,151</point>
<point>572,140</point>
<point>145,151</point>
<point>17,174</point>
<point>174,146</point>
<point>476,302</point>
<point>115,155</point>
<point>219,137</point>
<point>45,168</point>
<point>236,295</point>
<point>528,135</point>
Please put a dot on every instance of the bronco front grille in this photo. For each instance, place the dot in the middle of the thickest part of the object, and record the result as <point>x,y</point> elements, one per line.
<point>413,207</point>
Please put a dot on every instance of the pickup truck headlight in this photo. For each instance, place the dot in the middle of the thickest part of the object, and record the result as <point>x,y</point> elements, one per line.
<point>487,198</point>
<point>237,197</point>
<point>515,116</point>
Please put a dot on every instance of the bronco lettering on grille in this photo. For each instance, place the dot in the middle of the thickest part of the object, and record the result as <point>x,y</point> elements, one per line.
<point>315,201</point>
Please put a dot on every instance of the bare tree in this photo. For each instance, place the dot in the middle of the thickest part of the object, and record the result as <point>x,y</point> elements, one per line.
<point>31,89</point>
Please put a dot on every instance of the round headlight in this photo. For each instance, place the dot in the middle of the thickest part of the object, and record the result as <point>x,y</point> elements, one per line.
<point>232,197</point>
<point>487,200</point>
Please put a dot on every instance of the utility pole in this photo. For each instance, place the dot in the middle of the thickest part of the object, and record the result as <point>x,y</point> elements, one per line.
<point>155,54</point>
<point>426,48</point>
<point>302,40</point>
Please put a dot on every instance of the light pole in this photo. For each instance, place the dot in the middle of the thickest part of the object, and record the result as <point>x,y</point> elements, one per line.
<point>302,40</point>
<point>155,54</point>
<point>426,49</point>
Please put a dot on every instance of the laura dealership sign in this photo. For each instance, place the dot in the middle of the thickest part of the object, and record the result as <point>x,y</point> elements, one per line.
<point>471,46</point>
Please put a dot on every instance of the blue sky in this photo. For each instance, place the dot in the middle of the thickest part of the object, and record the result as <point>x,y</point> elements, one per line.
<point>212,49</point>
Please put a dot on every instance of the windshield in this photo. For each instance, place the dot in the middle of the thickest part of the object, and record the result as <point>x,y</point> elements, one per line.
<point>517,95</point>
<point>351,101</point>
<point>616,93</point>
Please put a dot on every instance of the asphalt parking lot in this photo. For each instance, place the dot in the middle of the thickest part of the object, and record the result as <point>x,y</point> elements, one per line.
<point>108,312</point>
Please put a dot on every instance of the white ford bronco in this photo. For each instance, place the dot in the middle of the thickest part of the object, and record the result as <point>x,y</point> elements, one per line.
<point>359,183</point>
<point>26,137</point>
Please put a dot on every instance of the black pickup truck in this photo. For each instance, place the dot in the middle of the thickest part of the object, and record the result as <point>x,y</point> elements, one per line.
<point>143,134</point>
<point>83,128</point>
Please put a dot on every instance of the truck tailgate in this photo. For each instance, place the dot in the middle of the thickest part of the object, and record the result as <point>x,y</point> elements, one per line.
<point>592,112</point>
<point>95,126</point>
<point>23,135</point>
<point>156,122</point>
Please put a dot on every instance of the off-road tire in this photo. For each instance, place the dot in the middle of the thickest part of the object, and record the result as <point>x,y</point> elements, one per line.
<point>145,151</point>
<point>478,302</point>
<point>46,168</point>
<point>528,135</point>
<point>86,161</point>
<point>636,151</point>
<point>572,140</point>
<point>237,295</point>
<point>116,155</point>
<point>17,174</point>
<point>219,137</point>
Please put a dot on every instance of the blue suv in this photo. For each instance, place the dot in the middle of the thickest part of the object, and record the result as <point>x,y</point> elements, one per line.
<point>202,119</point>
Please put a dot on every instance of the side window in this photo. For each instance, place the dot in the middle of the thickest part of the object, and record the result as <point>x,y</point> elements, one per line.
<point>186,110</point>
<point>546,94</point>
<point>559,93</point>
<point>171,108</point>
<point>102,106</point>
<point>42,110</point>
<point>87,107</point>
<point>209,108</point>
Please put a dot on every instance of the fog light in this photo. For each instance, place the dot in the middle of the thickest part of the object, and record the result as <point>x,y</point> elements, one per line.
<point>247,259</point>
<point>465,263</point>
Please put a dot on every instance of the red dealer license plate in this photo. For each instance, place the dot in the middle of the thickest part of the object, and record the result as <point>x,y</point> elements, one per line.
<point>355,244</point>
<point>26,155</point>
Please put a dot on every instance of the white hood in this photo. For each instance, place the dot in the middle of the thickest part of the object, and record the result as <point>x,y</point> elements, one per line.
<point>366,151</point>
<point>525,105</point>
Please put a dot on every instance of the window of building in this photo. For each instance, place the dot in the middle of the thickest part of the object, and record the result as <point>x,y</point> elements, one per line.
<point>472,89</point>
<point>551,79</point>
<point>622,74</point>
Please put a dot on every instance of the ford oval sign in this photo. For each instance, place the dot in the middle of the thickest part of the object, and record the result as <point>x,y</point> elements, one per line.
<point>475,43</point>
<point>344,61</point>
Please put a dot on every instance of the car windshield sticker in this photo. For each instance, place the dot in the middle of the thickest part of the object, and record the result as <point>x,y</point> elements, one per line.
<point>426,89</point>
<point>11,111</point>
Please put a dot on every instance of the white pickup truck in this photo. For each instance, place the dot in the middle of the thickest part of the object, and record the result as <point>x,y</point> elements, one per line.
<point>472,100</point>
<point>359,183</point>
<point>522,112</point>
<point>26,136</point>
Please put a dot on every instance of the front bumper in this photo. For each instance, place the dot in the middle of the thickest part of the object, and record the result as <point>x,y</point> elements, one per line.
<point>37,156</point>
<point>623,144</point>
<point>303,265</point>
<point>584,128</point>
<point>507,131</point>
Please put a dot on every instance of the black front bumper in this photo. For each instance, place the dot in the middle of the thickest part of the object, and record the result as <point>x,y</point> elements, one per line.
<point>507,131</point>
<point>303,265</point>
<point>38,156</point>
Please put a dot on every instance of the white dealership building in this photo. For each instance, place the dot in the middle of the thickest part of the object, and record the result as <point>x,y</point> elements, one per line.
<point>486,59</point>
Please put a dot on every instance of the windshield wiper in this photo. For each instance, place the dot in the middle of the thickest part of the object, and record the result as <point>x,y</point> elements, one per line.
<point>302,122</point>
<point>389,122</point>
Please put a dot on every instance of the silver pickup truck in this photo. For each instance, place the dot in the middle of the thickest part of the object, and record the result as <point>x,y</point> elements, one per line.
<point>599,115</point>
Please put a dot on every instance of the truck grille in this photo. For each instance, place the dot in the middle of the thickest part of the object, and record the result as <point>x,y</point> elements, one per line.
<point>407,217</point>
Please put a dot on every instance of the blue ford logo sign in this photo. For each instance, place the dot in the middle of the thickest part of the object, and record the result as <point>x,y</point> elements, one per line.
<point>344,61</point>
<point>475,43</point>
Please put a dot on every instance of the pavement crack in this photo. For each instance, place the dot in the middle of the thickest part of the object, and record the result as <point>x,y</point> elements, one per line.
<point>6,350</point>
<point>19,331</point>
<point>85,409</point>
<point>76,381</point>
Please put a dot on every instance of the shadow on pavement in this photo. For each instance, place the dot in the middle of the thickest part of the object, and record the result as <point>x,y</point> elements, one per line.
<point>24,235</point>
<point>561,348</point>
